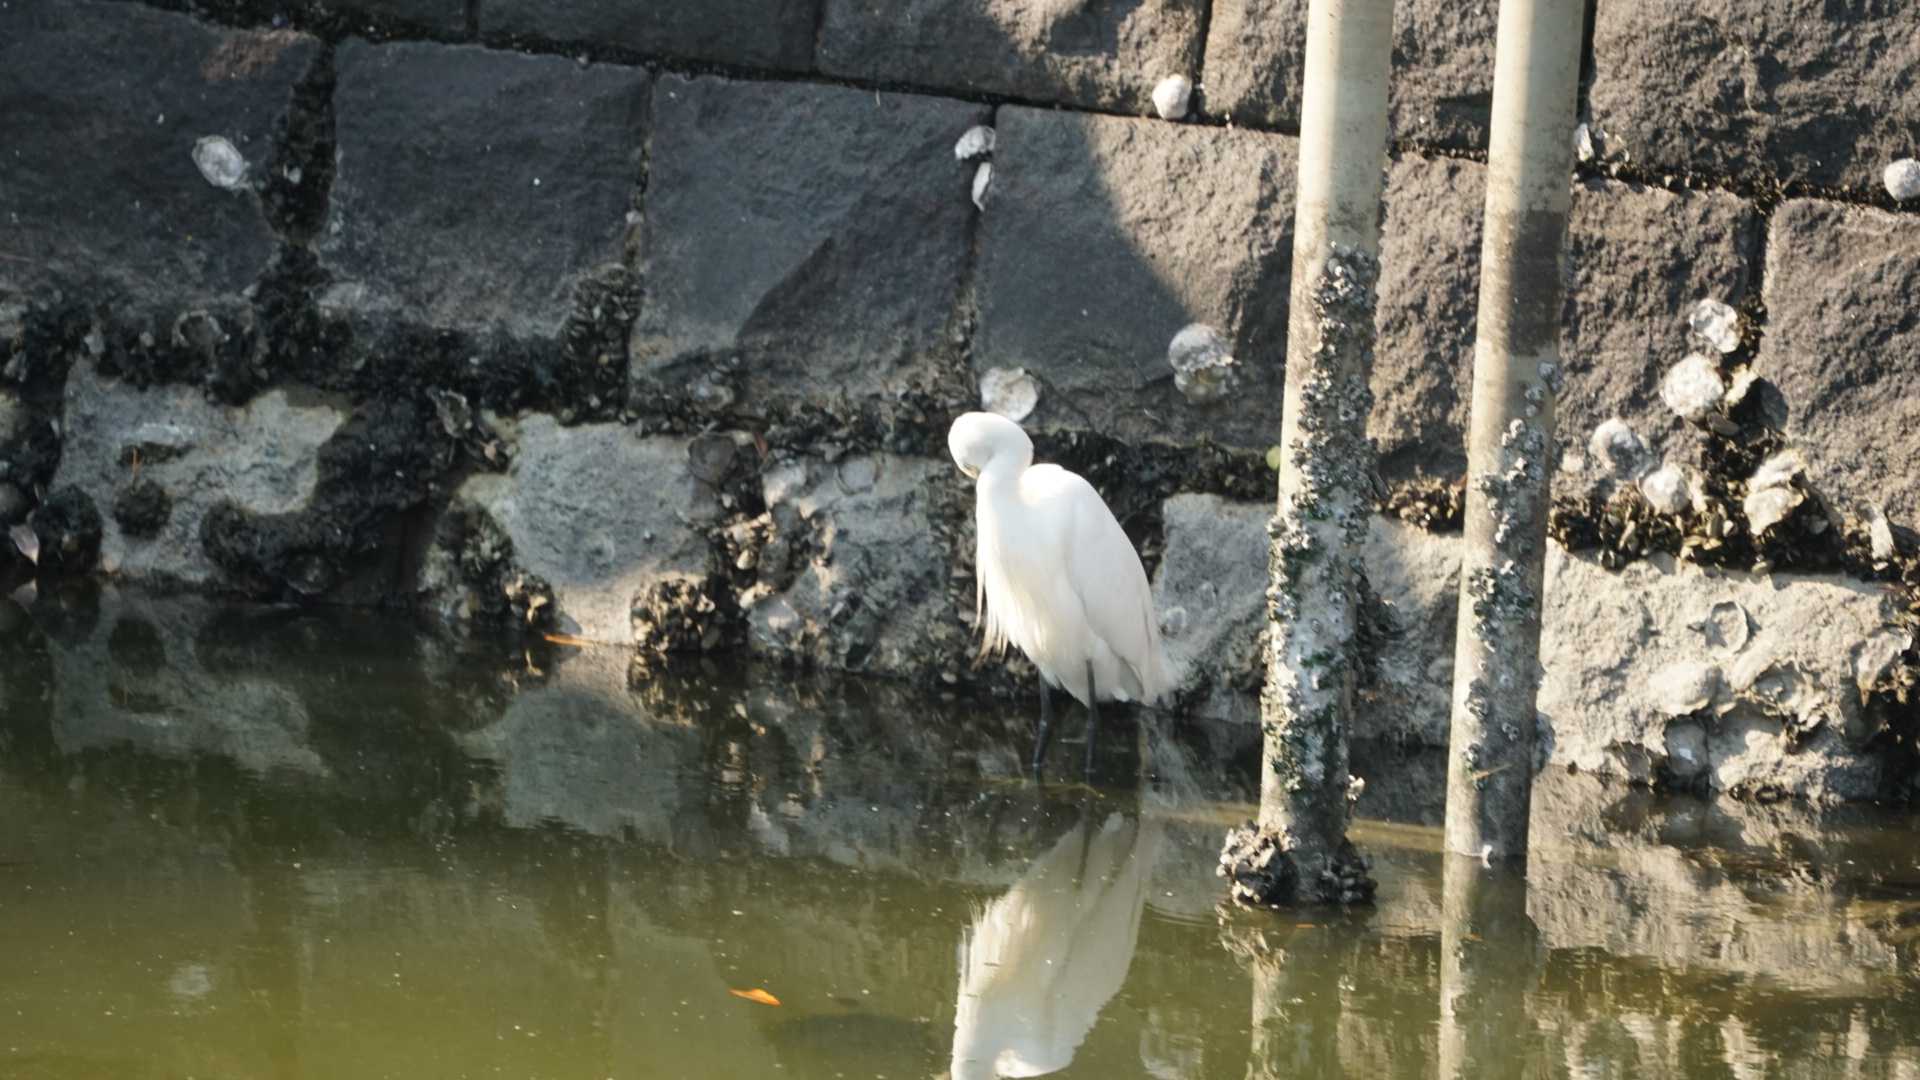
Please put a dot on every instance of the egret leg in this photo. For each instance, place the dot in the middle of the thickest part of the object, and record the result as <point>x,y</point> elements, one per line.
<point>1045,734</point>
<point>1093,719</point>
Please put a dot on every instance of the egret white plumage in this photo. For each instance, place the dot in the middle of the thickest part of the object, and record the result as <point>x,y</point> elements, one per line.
<point>1056,576</point>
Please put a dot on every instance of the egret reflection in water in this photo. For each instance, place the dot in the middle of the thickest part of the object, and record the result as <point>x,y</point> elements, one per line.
<point>1041,960</point>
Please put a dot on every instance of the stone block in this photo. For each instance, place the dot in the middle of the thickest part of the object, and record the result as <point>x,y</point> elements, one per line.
<point>102,107</point>
<point>819,232</point>
<point>599,514</point>
<point>1103,237</point>
<point>1843,346</point>
<point>173,456</point>
<point>1797,90</point>
<point>1210,591</point>
<point>1442,88</point>
<point>1783,713</point>
<point>447,18</point>
<point>1638,260</point>
<point>756,33</point>
<point>862,585</point>
<point>1091,55</point>
<point>434,140</point>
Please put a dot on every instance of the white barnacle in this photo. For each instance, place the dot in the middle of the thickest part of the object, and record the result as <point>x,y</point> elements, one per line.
<point>220,162</point>
<point>1172,97</point>
<point>982,177</point>
<point>977,142</point>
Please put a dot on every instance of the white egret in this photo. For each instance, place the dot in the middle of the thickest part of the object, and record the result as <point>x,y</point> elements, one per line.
<point>1056,576</point>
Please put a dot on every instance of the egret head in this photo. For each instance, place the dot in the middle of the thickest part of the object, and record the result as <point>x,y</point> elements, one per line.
<point>978,440</point>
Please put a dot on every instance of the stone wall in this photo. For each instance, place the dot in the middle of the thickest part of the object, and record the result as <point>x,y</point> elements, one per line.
<point>644,322</point>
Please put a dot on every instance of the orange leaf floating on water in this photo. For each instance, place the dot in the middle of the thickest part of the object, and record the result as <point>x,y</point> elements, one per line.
<point>757,995</point>
<point>567,639</point>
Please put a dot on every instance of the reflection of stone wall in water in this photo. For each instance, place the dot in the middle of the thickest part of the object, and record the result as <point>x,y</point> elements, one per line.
<point>405,304</point>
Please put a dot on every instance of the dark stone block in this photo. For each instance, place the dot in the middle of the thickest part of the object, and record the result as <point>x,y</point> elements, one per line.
<point>447,18</point>
<point>101,106</point>
<point>475,187</point>
<point>758,33</point>
<point>1098,55</point>
<point>819,232</point>
<point>1843,346</point>
<point>1103,237</point>
<point>1639,260</point>
<point>1442,89</point>
<point>1800,89</point>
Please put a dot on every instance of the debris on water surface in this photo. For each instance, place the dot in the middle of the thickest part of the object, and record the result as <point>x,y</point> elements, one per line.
<point>976,143</point>
<point>1693,388</point>
<point>1903,179</point>
<point>1172,96</point>
<point>1617,449</point>
<point>1010,392</point>
<point>1715,323</point>
<point>981,178</point>
<point>218,160</point>
<point>1203,368</point>
<point>1665,489</point>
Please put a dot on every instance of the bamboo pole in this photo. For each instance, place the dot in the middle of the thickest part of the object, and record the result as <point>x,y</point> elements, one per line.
<point>1298,850</point>
<point>1516,377</point>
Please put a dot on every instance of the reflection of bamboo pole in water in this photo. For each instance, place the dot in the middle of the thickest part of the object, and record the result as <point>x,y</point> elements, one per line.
<point>1296,998</point>
<point>1489,959</point>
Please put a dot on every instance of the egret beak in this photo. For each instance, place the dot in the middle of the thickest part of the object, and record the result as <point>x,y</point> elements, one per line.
<point>972,473</point>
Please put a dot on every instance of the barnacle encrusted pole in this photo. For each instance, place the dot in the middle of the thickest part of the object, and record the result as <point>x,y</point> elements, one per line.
<point>1298,850</point>
<point>1516,376</point>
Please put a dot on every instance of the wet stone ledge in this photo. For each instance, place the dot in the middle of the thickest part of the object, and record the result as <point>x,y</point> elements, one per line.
<point>1658,673</point>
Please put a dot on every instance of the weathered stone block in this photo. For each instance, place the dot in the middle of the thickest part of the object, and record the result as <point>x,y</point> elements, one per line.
<point>817,231</point>
<point>1843,346</point>
<point>1796,89</point>
<point>1094,55</point>
<point>759,33</point>
<point>1442,88</point>
<point>1783,713</point>
<point>1638,261</point>
<point>435,141</point>
<point>101,109</point>
<point>870,593</point>
<point>444,17</point>
<point>263,458</point>
<point>1103,237</point>
<point>597,513</point>
<point>1211,594</point>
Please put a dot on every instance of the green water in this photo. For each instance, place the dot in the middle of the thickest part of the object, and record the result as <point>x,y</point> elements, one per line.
<point>275,844</point>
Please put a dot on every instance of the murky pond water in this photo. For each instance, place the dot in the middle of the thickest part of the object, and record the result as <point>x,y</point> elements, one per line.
<point>278,844</point>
